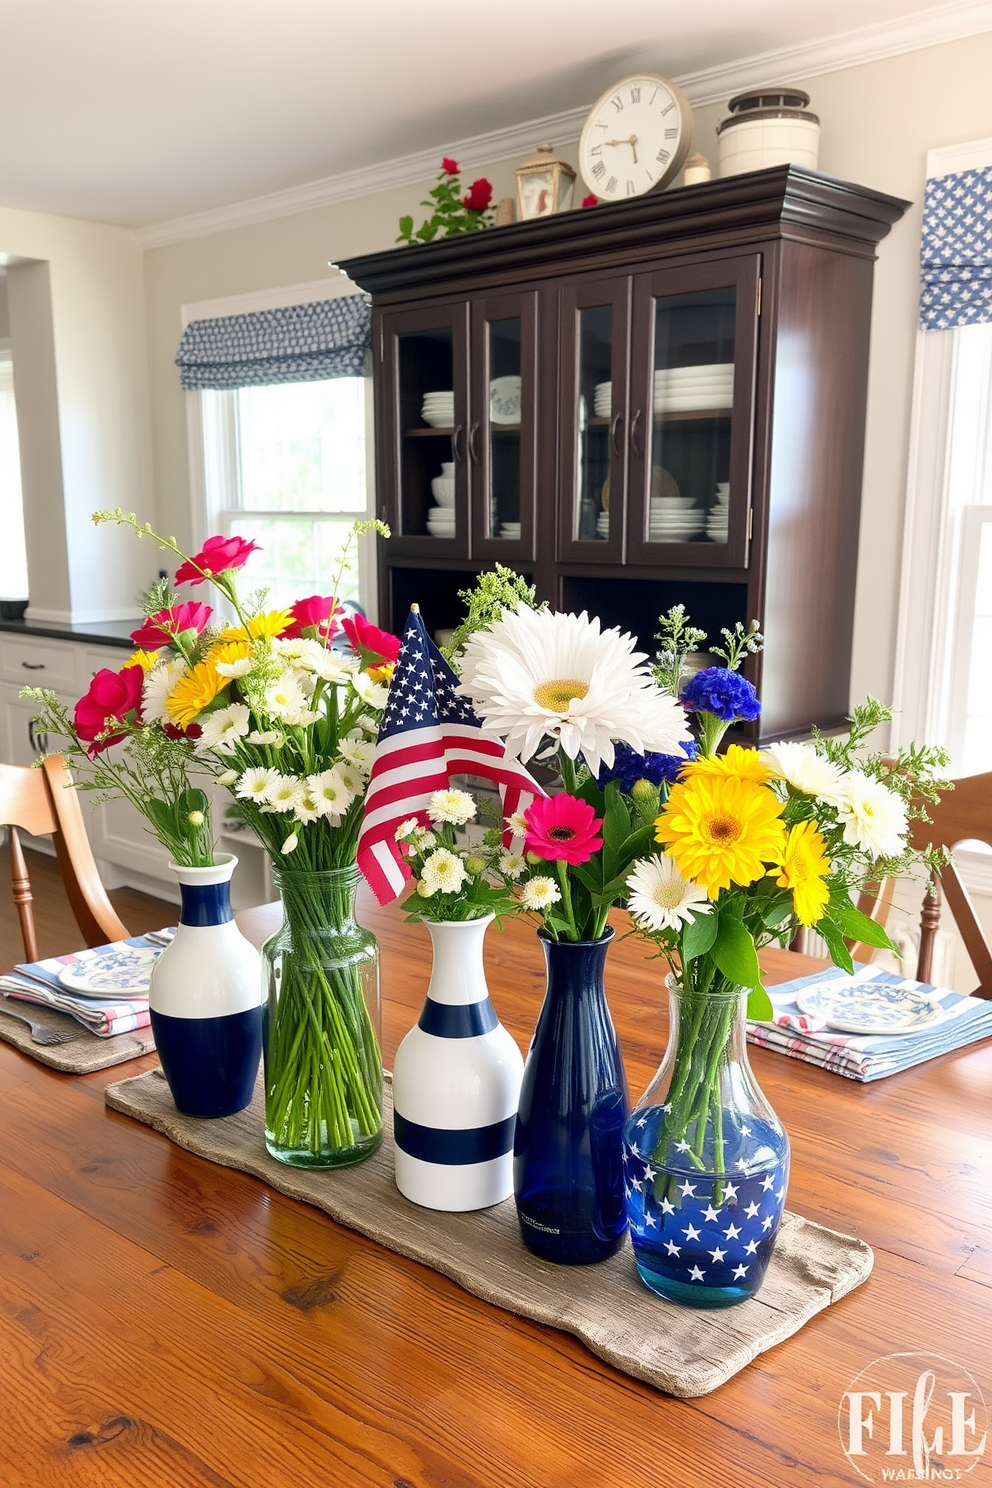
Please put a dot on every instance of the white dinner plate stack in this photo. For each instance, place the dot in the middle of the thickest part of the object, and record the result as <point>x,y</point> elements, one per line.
<point>439,410</point>
<point>687,389</point>
<point>603,525</point>
<point>510,531</point>
<point>441,522</point>
<point>602,399</point>
<point>673,519</point>
<point>718,517</point>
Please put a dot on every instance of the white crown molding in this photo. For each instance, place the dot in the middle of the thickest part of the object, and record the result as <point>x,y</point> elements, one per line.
<point>711,85</point>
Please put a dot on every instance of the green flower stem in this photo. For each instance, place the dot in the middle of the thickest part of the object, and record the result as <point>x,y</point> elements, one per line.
<point>706,1023</point>
<point>323,1064</point>
<point>566,896</point>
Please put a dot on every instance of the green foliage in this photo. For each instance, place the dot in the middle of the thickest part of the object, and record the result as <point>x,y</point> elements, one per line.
<point>496,590</point>
<point>738,644</point>
<point>677,639</point>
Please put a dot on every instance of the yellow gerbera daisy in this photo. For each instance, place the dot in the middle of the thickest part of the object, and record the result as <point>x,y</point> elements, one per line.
<point>271,623</point>
<point>145,659</point>
<point>805,865</point>
<point>227,652</point>
<point>195,690</point>
<point>745,764</point>
<point>721,830</point>
<point>382,673</point>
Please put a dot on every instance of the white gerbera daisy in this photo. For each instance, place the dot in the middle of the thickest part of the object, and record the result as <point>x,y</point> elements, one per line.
<point>660,898</point>
<point>234,668</point>
<point>223,729</point>
<point>256,783</point>
<point>267,736</point>
<point>158,683</point>
<point>535,674</point>
<point>284,698</point>
<point>453,806</point>
<point>874,817</point>
<point>353,780</point>
<point>511,865</point>
<point>359,753</point>
<point>443,873</point>
<point>539,892</point>
<point>284,793</point>
<point>373,694</point>
<point>306,809</point>
<point>331,795</point>
<point>517,824</point>
<point>803,768</point>
<point>407,829</point>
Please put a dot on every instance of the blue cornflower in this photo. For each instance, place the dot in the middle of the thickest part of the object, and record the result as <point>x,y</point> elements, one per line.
<point>628,766</point>
<point>725,694</point>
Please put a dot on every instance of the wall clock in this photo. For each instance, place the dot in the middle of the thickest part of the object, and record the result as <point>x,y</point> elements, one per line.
<point>636,138</point>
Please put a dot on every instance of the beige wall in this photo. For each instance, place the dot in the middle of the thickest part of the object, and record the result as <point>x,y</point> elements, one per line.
<point>879,120</point>
<point>95,275</point>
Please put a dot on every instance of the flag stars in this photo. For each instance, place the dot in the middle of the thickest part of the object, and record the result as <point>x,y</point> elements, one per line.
<point>682,1146</point>
<point>691,1233</point>
<point>634,1149</point>
<point>732,1233</point>
<point>688,1190</point>
<point>636,1183</point>
<point>673,1249</point>
<point>710,1215</point>
<point>729,1192</point>
<point>695,1274</point>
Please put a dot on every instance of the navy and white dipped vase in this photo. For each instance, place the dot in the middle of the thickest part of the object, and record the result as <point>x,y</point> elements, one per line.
<point>456,1083</point>
<point>205,998</point>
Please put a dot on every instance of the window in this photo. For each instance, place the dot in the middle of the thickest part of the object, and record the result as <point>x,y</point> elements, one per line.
<point>13,561</point>
<point>286,466</point>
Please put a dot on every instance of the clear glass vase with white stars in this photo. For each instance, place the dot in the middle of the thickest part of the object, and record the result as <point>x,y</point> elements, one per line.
<point>706,1160</point>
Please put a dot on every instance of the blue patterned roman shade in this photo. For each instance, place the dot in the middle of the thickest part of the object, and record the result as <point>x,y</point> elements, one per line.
<point>299,343</point>
<point>957,250</point>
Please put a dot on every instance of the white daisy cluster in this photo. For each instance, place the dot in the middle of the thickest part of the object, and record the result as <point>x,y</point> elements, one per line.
<point>457,881</point>
<point>307,798</point>
<point>874,818</point>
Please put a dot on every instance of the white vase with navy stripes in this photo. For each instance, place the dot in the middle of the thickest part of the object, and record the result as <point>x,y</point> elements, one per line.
<point>456,1083</point>
<point>205,998</point>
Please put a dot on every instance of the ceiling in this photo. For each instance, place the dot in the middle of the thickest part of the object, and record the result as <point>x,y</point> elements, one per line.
<point>135,111</point>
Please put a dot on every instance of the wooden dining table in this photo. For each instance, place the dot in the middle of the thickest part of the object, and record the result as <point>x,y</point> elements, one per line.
<point>171,1323</point>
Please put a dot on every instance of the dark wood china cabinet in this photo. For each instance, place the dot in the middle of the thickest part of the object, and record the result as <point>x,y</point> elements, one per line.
<point>636,405</point>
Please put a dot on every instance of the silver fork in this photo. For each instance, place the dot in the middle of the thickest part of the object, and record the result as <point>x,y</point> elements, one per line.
<point>41,1033</point>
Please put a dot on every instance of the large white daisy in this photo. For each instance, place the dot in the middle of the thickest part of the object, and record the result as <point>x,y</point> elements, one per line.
<point>659,898</point>
<point>874,817</point>
<point>806,770</point>
<point>158,683</point>
<point>535,674</point>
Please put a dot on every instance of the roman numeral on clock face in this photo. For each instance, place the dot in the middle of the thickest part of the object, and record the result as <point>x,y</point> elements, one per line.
<point>617,103</point>
<point>671,133</point>
<point>663,156</point>
<point>611,185</point>
<point>668,110</point>
<point>599,170</point>
<point>635,93</point>
<point>631,188</point>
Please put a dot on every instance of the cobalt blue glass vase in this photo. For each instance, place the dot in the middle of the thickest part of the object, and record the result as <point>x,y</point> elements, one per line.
<point>205,999</point>
<point>706,1159</point>
<point>568,1147</point>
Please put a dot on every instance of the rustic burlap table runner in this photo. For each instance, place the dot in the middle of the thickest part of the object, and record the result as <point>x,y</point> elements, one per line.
<point>679,1350</point>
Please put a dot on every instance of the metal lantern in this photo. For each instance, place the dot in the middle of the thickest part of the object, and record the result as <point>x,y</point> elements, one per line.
<point>544,184</point>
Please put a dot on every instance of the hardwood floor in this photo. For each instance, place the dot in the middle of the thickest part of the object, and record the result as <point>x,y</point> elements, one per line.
<point>57,931</point>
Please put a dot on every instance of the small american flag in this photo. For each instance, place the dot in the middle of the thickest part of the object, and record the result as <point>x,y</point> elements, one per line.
<point>429,733</point>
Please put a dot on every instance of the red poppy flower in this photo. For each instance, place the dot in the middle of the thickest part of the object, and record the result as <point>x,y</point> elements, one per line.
<point>590,200</point>
<point>449,166</point>
<point>316,616</point>
<point>562,827</point>
<point>217,555</point>
<point>162,628</point>
<point>113,697</point>
<point>478,196</point>
<point>373,645</point>
<point>172,731</point>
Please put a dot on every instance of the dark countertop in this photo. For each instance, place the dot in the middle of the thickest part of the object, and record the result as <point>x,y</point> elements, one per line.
<point>97,633</point>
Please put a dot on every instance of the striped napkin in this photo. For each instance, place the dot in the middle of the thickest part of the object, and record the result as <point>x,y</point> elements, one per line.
<point>866,1057</point>
<point>38,982</point>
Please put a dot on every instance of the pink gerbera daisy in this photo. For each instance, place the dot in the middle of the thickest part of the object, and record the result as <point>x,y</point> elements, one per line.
<point>562,827</point>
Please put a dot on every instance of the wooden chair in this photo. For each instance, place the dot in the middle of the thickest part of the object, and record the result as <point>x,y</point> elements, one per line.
<point>43,801</point>
<point>963,814</point>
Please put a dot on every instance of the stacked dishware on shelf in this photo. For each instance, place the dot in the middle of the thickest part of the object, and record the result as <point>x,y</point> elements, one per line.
<point>674,519</point>
<point>438,409</point>
<point>718,517</point>
<point>510,531</point>
<point>679,389</point>
<point>441,518</point>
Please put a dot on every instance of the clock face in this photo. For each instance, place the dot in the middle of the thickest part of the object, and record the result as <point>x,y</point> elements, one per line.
<point>635,138</point>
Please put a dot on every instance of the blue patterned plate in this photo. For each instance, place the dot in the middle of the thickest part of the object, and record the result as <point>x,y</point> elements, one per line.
<point>871,1007</point>
<point>122,972</point>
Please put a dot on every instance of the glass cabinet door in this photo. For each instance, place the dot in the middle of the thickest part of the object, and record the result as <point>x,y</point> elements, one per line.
<point>423,437</point>
<point>502,435</point>
<point>692,377</point>
<point>595,319</point>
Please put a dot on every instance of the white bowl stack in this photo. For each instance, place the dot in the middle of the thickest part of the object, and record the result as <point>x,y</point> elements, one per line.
<point>441,518</point>
<point>438,409</point>
<point>686,389</point>
<point>510,531</point>
<point>603,526</point>
<point>673,519</point>
<point>602,399</point>
<point>718,517</point>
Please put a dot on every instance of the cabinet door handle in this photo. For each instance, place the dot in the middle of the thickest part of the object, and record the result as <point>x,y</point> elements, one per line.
<point>457,452</point>
<point>33,666</point>
<point>473,453</point>
<point>615,428</point>
<point>633,433</point>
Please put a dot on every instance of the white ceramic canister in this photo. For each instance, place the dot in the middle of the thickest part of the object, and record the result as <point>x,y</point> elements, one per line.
<point>456,1083</point>
<point>766,127</point>
<point>205,997</point>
